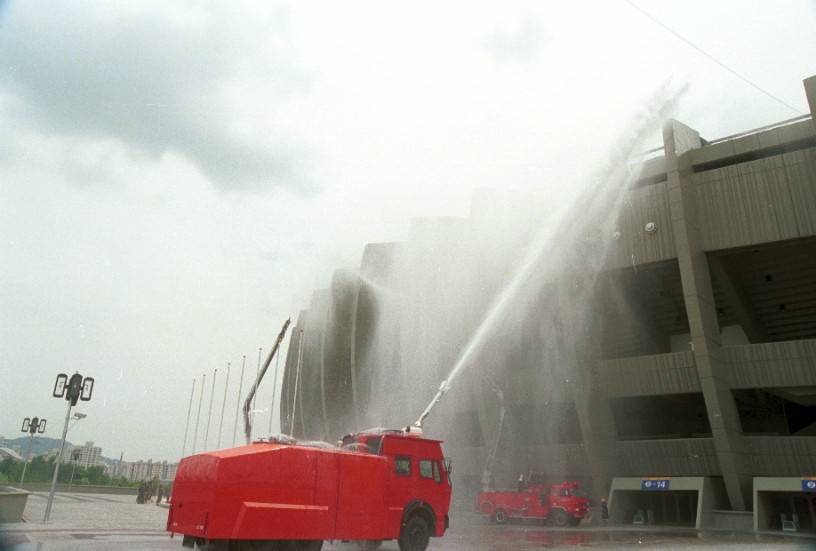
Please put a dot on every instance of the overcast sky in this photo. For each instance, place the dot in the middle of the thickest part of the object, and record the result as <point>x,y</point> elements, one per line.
<point>176,177</point>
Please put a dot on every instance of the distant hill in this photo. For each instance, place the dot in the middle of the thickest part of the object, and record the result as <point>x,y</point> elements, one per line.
<point>41,444</point>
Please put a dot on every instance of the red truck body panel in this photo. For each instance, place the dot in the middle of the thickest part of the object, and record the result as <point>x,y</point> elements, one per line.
<point>271,491</point>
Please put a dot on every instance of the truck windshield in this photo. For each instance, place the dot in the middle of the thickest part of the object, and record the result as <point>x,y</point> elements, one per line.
<point>447,462</point>
<point>375,445</point>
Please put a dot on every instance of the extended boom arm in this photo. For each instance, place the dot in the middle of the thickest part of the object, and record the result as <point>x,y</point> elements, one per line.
<point>443,388</point>
<point>261,373</point>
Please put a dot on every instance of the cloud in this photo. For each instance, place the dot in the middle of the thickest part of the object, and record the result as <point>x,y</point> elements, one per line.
<point>207,83</point>
<point>525,42</point>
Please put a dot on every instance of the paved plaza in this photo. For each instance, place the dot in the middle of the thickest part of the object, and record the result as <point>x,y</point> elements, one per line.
<point>74,514</point>
<point>97,522</point>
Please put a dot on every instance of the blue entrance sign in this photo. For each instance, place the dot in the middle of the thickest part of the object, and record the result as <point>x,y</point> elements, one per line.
<point>654,484</point>
<point>809,484</point>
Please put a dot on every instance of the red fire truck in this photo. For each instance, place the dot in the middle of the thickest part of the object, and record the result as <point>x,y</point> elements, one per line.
<point>282,494</point>
<point>556,504</point>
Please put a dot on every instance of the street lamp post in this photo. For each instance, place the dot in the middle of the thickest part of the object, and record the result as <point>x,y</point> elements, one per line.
<point>32,426</point>
<point>77,388</point>
<point>75,456</point>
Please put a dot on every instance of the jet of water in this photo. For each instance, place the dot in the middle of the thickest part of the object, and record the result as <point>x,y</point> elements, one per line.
<point>556,240</point>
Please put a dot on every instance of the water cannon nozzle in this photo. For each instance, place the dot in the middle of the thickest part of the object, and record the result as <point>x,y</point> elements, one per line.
<point>443,388</point>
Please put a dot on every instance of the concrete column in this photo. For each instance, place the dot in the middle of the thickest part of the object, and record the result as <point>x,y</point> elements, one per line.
<point>810,92</point>
<point>488,406</point>
<point>702,315</point>
<point>580,344</point>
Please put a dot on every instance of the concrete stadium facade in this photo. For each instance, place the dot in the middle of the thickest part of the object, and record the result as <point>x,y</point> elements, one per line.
<point>693,357</point>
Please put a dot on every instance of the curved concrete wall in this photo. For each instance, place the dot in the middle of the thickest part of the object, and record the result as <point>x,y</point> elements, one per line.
<point>645,324</point>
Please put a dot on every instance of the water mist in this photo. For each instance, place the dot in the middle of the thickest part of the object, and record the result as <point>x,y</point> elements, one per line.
<point>591,215</point>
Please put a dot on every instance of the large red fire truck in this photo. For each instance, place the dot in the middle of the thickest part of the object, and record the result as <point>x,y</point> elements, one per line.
<point>282,494</point>
<point>556,503</point>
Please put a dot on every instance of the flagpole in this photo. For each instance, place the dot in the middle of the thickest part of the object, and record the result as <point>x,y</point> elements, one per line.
<point>209,412</point>
<point>274,392</point>
<point>238,405</point>
<point>223,405</point>
<point>187,427</point>
<point>198,415</point>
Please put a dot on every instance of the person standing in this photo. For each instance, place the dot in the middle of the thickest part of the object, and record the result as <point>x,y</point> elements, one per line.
<point>604,511</point>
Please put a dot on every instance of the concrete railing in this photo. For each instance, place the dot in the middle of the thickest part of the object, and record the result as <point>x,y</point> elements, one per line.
<point>78,489</point>
<point>12,504</point>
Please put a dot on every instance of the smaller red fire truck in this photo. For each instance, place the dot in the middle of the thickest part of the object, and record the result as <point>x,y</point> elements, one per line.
<point>556,504</point>
<point>284,494</point>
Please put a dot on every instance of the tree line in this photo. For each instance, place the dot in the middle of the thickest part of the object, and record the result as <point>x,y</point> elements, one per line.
<point>41,469</point>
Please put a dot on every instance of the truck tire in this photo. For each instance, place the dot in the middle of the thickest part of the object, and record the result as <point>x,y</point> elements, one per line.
<point>214,545</point>
<point>414,535</point>
<point>305,545</point>
<point>245,545</point>
<point>499,517</point>
<point>559,518</point>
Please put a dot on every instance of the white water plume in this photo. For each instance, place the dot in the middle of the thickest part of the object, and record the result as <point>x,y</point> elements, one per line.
<point>597,205</point>
<point>503,296</point>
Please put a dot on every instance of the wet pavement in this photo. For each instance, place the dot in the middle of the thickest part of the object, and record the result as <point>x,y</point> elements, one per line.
<point>474,533</point>
<point>88,522</point>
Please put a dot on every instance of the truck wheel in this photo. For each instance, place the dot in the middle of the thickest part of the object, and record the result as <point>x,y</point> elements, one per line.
<point>214,545</point>
<point>499,517</point>
<point>415,535</point>
<point>559,518</point>
<point>244,545</point>
<point>255,545</point>
<point>305,545</point>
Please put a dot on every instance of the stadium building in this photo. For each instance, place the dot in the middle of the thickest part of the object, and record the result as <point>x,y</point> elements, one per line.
<point>663,356</point>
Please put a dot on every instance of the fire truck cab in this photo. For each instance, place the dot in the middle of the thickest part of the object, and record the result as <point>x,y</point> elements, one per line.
<point>283,494</point>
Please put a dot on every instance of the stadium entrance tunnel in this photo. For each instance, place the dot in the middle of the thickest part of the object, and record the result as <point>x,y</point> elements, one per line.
<point>666,501</point>
<point>786,504</point>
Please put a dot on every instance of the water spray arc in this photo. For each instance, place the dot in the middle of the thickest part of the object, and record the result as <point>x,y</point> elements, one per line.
<point>556,240</point>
